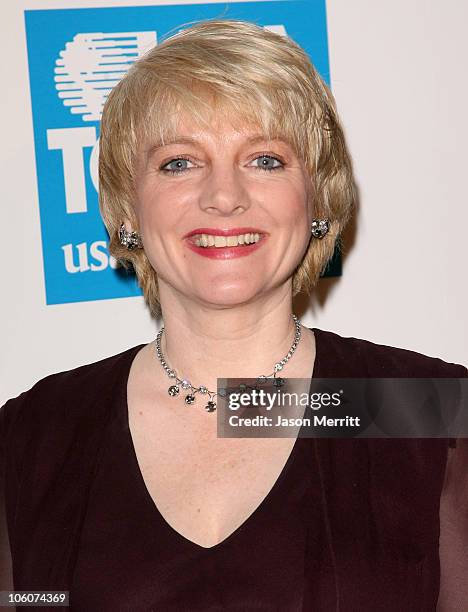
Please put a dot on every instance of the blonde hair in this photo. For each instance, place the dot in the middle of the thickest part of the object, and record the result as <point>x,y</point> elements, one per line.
<point>257,76</point>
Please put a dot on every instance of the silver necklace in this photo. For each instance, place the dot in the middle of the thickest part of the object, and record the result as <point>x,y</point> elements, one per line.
<point>174,389</point>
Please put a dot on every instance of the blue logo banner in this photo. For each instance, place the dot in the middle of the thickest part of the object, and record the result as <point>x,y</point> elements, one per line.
<point>75,57</point>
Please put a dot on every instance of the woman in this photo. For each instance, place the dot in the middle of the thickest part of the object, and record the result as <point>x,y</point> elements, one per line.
<point>225,182</point>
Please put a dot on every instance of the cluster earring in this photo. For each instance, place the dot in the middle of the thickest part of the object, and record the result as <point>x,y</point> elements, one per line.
<point>131,240</point>
<point>319,228</point>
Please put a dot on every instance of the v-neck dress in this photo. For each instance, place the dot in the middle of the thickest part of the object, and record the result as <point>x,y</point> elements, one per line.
<point>350,525</point>
<point>131,559</point>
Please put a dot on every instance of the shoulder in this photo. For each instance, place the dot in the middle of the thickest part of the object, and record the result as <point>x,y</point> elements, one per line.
<point>68,390</point>
<point>359,357</point>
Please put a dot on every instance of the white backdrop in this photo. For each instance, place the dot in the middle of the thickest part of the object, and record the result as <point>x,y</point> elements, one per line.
<point>398,72</point>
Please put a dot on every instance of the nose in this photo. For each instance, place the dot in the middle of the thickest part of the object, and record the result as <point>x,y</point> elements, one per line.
<point>225,192</point>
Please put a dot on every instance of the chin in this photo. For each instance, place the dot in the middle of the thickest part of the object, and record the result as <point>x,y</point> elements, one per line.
<point>233,294</point>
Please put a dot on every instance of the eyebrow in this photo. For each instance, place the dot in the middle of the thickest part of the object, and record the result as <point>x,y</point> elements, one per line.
<point>194,141</point>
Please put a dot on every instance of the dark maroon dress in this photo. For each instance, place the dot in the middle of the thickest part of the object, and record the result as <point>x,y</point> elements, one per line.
<point>349,525</point>
<point>130,558</point>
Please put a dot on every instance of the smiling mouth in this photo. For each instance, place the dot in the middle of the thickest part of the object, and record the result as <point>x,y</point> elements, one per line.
<point>207,240</point>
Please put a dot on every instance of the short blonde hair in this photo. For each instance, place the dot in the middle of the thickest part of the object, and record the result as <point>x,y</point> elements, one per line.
<point>256,76</point>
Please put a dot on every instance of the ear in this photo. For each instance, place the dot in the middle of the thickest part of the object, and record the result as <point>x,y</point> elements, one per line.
<point>128,226</point>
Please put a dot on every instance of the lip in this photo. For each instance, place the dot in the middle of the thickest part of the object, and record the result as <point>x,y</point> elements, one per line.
<point>234,231</point>
<point>226,252</point>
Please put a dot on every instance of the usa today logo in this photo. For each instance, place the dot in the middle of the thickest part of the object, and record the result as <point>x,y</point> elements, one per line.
<point>86,70</point>
<point>67,108</point>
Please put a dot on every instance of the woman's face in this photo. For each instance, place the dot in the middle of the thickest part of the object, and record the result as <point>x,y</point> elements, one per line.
<point>218,181</point>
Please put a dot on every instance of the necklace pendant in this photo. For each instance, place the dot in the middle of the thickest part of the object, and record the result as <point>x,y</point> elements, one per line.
<point>278,382</point>
<point>173,390</point>
<point>210,407</point>
<point>189,399</point>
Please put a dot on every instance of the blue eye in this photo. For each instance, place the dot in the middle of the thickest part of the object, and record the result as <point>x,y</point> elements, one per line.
<point>266,159</point>
<point>179,161</point>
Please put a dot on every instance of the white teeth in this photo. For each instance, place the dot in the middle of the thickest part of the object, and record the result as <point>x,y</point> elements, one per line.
<point>208,240</point>
<point>220,241</point>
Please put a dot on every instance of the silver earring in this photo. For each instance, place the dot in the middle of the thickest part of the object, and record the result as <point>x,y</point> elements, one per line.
<point>319,227</point>
<point>131,240</point>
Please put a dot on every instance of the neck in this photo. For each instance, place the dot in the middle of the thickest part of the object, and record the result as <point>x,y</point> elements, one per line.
<point>203,344</point>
